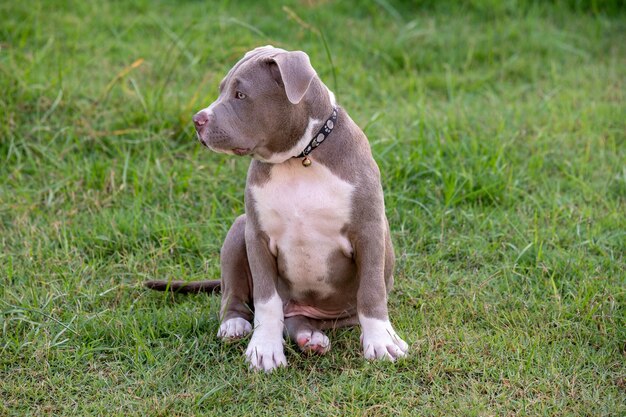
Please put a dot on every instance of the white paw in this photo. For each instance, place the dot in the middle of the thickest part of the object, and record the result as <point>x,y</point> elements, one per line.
<point>233,329</point>
<point>380,341</point>
<point>265,353</point>
<point>313,342</point>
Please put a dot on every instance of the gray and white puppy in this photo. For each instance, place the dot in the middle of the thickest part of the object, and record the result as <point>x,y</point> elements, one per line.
<point>313,250</point>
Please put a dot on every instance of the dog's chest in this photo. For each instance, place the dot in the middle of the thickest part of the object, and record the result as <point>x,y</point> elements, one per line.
<point>303,210</point>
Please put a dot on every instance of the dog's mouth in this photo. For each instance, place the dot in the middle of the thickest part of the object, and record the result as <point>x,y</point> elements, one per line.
<point>236,151</point>
<point>241,151</point>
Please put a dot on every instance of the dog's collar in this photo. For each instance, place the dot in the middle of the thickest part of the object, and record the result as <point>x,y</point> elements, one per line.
<point>323,133</point>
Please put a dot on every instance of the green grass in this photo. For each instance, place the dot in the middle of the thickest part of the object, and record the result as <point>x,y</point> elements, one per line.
<point>500,130</point>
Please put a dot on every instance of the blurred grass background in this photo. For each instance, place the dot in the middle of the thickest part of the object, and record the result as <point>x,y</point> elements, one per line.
<point>499,127</point>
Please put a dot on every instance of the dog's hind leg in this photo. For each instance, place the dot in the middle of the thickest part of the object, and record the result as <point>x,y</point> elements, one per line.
<point>305,332</point>
<point>236,283</point>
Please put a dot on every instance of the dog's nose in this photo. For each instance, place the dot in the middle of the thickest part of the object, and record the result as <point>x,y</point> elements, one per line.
<point>200,119</point>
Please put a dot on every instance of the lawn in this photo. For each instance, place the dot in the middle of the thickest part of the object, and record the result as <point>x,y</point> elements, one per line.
<point>500,130</point>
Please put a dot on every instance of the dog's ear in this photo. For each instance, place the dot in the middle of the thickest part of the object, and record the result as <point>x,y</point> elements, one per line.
<point>295,73</point>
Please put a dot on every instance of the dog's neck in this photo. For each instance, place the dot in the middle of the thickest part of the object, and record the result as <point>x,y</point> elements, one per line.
<point>319,137</point>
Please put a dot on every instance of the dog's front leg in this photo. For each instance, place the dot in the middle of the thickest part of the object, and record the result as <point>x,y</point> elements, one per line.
<point>378,338</point>
<point>265,350</point>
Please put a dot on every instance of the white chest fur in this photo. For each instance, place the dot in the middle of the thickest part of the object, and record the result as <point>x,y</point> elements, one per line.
<point>302,210</point>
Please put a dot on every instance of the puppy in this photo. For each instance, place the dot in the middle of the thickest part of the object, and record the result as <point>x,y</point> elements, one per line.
<point>313,250</point>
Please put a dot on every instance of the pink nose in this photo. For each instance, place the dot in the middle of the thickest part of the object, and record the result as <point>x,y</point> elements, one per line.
<point>199,119</point>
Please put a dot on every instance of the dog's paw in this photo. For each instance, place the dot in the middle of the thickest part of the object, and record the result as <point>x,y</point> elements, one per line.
<point>265,354</point>
<point>380,341</point>
<point>313,341</point>
<point>233,329</point>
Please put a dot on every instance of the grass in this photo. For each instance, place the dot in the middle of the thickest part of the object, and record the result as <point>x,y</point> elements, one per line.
<point>500,131</point>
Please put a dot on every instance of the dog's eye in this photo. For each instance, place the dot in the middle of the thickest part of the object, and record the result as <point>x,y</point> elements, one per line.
<point>240,95</point>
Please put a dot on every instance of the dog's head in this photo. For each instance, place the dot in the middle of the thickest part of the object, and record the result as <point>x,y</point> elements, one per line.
<point>265,105</point>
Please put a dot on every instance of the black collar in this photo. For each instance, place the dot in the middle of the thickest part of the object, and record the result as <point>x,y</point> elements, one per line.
<point>323,133</point>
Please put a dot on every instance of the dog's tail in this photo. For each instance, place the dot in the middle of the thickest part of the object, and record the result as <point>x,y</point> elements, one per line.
<point>184,287</point>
